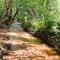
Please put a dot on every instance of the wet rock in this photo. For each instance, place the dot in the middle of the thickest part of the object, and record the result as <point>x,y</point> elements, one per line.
<point>1,54</point>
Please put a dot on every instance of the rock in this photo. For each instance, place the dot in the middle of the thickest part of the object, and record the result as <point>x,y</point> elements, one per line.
<point>1,54</point>
<point>6,46</point>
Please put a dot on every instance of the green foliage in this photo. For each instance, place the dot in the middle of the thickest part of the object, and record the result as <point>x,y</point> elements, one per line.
<point>38,25</point>
<point>26,24</point>
<point>56,37</point>
<point>2,8</point>
<point>41,12</point>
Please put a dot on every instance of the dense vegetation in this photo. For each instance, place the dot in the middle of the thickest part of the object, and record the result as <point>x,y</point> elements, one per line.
<point>40,17</point>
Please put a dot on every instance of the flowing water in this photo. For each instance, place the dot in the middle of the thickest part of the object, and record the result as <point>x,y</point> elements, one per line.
<point>15,27</point>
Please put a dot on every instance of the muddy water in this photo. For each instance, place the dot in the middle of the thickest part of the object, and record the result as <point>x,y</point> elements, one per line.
<point>26,48</point>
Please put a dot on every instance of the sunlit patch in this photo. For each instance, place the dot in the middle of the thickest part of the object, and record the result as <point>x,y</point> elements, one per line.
<point>15,59</point>
<point>12,34</point>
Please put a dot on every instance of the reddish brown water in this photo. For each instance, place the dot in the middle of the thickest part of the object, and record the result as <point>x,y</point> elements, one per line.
<point>27,47</point>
